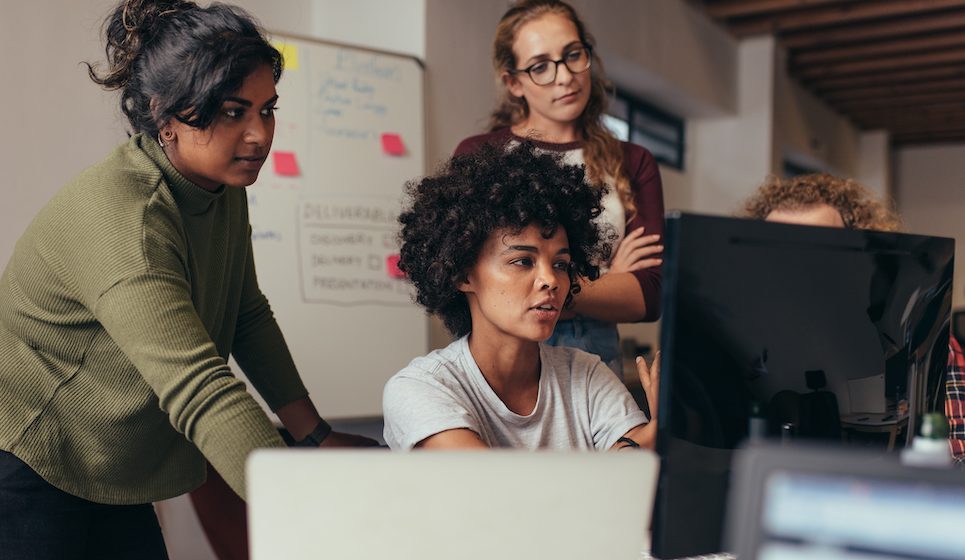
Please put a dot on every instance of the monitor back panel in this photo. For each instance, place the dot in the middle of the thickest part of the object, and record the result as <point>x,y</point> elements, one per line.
<point>773,330</point>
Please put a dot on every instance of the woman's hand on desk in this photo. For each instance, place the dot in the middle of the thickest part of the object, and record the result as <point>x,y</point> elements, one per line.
<point>341,439</point>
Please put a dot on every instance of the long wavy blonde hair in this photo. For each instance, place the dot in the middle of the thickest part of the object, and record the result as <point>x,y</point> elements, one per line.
<point>602,152</point>
<point>859,209</point>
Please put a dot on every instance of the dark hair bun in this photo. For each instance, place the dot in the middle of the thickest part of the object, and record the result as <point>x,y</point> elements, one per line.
<point>132,25</point>
<point>172,59</point>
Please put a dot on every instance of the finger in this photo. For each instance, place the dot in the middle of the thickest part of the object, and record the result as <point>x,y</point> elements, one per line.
<point>645,263</point>
<point>636,232</point>
<point>655,379</point>
<point>632,252</point>
<point>643,372</point>
<point>647,251</point>
<point>636,243</point>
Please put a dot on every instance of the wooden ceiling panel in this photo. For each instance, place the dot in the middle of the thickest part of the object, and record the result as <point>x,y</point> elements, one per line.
<point>897,65</point>
<point>835,14</point>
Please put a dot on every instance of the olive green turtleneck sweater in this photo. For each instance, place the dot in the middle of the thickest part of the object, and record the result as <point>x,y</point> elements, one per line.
<point>118,310</point>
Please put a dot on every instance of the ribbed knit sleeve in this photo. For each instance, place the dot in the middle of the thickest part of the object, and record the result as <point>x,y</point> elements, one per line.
<point>259,347</point>
<point>151,319</point>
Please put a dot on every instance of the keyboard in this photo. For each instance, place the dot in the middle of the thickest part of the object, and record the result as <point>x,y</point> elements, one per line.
<point>718,556</point>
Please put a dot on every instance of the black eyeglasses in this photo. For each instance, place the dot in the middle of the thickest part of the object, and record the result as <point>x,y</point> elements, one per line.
<point>543,73</point>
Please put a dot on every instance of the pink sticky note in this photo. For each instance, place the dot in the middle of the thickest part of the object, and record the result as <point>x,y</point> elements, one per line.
<point>392,266</point>
<point>392,144</point>
<point>285,164</point>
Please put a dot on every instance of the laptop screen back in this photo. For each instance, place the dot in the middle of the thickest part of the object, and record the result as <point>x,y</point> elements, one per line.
<point>431,505</point>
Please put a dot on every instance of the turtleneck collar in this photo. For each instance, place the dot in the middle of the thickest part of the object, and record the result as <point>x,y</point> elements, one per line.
<point>191,198</point>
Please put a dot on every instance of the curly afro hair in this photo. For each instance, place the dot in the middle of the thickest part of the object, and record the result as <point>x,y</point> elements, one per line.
<point>450,215</point>
<point>857,206</point>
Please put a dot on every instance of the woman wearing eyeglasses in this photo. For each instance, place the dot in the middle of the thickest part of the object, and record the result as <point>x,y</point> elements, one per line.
<point>554,94</point>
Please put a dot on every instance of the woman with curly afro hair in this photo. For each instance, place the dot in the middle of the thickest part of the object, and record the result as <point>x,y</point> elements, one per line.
<point>495,244</point>
<point>820,199</point>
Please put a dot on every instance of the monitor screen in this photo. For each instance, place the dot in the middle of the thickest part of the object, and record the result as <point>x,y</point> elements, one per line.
<point>777,331</point>
<point>820,516</point>
<point>820,502</point>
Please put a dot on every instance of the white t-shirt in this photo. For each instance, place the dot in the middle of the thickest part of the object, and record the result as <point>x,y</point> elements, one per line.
<point>581,403</point>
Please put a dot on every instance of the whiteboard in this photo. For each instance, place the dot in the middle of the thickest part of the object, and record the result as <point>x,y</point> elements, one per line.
<point>348,135</point>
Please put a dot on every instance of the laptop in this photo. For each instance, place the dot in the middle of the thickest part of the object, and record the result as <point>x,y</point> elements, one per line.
<point>829,503</point>
<point>441,505</point>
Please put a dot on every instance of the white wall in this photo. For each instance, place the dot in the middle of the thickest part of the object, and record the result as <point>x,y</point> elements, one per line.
<point>930,191</point>
<point>391,25</point>
<point>808,131</point>
<point>732,154</point>
<point>56,121</point>
<point>874,163</point>
<point>666,52</point>
<point>460,82</point>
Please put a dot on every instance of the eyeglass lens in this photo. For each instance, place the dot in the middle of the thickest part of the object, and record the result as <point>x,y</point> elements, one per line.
<point>576,61</point>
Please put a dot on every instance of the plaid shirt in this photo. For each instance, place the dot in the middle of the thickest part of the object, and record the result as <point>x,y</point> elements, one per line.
<point>955,401</point>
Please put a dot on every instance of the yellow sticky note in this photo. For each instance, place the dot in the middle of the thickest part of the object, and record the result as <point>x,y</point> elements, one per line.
<point>289,53</point>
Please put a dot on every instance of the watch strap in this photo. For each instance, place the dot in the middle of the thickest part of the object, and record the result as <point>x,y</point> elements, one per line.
<point>317,436</point>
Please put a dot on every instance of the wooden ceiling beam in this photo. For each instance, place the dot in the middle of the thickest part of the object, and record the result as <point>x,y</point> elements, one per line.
<point>879,49</point>
<point>891,119</point>
<point>897,125</point>
<point>921,133</point>
<point>901,102</point>
<point>836,14</point>
<point>894,90</point>
<point>896,130</point>
<point>928,23</point>
<point>828,84</point>
<point>723,9</point>
<point>921,140</point>
<point>894,121</point>
<point>895,63</point>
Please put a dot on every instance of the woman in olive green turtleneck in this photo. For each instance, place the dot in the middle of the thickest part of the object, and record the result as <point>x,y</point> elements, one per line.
<point>129,290</point>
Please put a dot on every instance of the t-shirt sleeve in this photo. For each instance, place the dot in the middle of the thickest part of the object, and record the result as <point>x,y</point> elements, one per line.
<point>416,406</point>
<point>647,190</point>
<point>613,412</point>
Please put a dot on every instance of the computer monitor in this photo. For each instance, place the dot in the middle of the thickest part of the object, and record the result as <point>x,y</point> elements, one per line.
<point>815,503</point>
<point>785,331</point>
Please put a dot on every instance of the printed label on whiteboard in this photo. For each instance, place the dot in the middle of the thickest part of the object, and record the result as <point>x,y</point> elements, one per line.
<point>345,246</point>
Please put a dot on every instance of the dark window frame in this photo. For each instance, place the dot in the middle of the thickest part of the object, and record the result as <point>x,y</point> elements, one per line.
<point>791,169</point>
<point>677,145</point>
